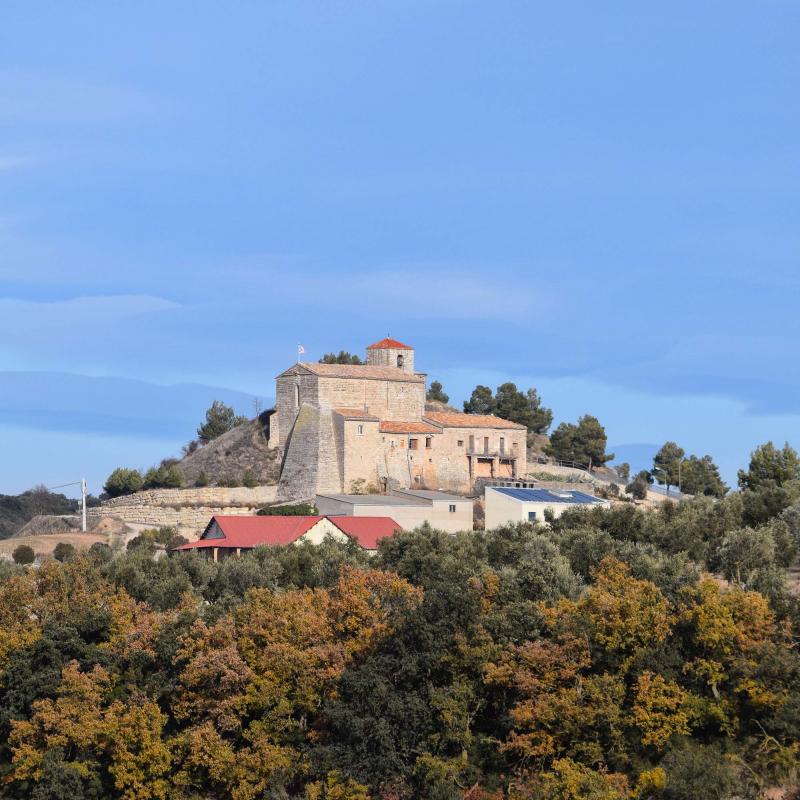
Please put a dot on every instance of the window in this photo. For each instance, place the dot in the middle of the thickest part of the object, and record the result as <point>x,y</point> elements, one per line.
<point>472,443</point>
<point>531,516</point>
<point>502,445</point>
<point>360,430</point>
<point>485,444</point>
<point>297,395</point>
<point>428,442</point>
<point>452,508</point>
<point>412,444</point>
<point>460,442</point>
<point>400,361</point>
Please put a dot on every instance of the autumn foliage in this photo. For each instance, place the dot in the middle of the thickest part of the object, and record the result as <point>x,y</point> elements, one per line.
<point>519,664</point>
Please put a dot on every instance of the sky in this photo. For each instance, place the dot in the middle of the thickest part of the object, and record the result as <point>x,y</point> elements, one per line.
<point>598,200</point>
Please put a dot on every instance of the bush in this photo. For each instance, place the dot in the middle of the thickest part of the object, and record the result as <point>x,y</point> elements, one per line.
<point>123,481</point>
<point>163,477</point>
<point>201,480</point>
<point>248,479</point>
<point>23,554</point>
<point>63,551</point>
<point>100,552</point>
<point>227,482</point>
<point>296,510</point>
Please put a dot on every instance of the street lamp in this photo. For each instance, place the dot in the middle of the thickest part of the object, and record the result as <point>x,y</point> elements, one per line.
<point>666,475</point>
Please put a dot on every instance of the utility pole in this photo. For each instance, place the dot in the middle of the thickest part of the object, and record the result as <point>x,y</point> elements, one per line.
<point>83,504</point>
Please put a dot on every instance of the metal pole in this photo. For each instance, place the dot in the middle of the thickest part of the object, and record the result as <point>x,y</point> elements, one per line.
<point>83,504</point>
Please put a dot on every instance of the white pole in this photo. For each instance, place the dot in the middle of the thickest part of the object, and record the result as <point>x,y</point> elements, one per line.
<point>83,504</point>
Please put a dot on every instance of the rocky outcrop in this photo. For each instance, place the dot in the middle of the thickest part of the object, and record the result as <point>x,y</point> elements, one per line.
<point>228,457</point>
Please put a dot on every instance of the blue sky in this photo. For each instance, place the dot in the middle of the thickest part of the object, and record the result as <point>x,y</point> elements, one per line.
<point>600,200</point>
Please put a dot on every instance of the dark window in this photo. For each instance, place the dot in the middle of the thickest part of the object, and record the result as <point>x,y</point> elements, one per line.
<point>412,444</point>
<point>360,430</point>
<point>400,361</point>
<point>428,442</point>
<point>452,508</point>
<point>531,516</point>
<point>460,442</point>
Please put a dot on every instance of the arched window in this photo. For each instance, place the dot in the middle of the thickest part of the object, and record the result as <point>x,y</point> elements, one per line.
<point>297,395</point>
<point>400,361</point>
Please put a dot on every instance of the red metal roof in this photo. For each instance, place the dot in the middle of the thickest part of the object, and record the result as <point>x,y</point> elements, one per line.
<point>242,531</point>
<point>249,532</point>
<point>367,531</point>
<point>389,344</point>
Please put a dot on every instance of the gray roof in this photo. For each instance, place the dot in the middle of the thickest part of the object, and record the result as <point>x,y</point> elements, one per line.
<point>372,499</point>
<point>442,497</point>
<point>546,495</point>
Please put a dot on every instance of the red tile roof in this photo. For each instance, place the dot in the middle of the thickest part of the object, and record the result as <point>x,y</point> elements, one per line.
<point>355,413</point>
<point>389,344</point>
<point>452,419</point>
<point>367,531</point>
<point>363,371</point>
<point>407,427</point>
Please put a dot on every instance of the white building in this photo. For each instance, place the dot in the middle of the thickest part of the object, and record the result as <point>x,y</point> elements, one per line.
<point>410,508</point>
<point>508,504</point>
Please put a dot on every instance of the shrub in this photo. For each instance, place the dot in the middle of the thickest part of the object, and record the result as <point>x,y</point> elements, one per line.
<point>248,479</point>
<point>123,481</point>
<point>227,482</point>
<point>23,554</point>
<point>63,551</point>
<point>220,419</point>
<point>163,477</point>
<point>296,510</point>
<point>201,480</point>
<point>100,552</point>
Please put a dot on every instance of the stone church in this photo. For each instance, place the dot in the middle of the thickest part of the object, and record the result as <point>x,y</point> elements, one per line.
<point>341,426</point>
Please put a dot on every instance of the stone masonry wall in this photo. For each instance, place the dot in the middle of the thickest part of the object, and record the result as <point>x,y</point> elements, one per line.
<point>188,510</point>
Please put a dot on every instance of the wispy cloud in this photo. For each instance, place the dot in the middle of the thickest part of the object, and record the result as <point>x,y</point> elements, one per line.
<point>42,97</point>
<point>15,162</point>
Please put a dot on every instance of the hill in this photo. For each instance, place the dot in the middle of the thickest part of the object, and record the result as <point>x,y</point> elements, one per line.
<point>17,510</point>
<point>230,455</point>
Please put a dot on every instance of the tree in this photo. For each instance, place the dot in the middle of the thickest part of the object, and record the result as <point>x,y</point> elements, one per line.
<point>342,357</point>
<point>540,418</point>
<point>220,419</point>
<point>436,393</point>
<point>770,467</point>
<point>163,477</point>
<point>481,401</point>
<point>624,470</point>
<point>23,554</point>
<point>637,488</point>
<point>201,479</point>
<point>248,479</point>
<point>667,464</point>
<point>123,481</point>
<point>701,476</point>
<point>63,552</point>
<point>583,444</point>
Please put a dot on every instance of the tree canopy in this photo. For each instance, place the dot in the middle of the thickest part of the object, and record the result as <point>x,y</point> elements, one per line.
<point>342,357</point>
<point>220,418</point>
<point>524,408</point>
<point>584,443</point>
<point>436,393</point>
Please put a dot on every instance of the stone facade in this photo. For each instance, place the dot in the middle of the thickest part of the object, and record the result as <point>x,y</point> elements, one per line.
<point>343,424</point>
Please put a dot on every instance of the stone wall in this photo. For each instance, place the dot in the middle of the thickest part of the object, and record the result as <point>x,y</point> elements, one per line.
<point>188,510</point>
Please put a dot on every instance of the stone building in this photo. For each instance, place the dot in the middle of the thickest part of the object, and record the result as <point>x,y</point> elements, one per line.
<point>341,426</point>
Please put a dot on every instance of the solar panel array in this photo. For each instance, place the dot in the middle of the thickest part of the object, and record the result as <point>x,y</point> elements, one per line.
<point>547,495</point>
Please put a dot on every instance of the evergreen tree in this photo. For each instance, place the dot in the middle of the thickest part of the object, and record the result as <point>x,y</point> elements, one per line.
<point>481,401</point>
<point>342,357</point>
<point>770,467</point>
<point>667,464</point>
<point>436,393</point>
<point>220,419</point>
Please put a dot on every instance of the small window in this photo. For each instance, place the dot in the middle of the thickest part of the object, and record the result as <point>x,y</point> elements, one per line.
<point>460,442</point>
<point>297,395</point>
<point>428,442</point>
<point>418,478</point>
<point>360,430</point>
<point>452,508</point>
<point>412,444</point>
<point>531,516</point>
<point>400,361</point>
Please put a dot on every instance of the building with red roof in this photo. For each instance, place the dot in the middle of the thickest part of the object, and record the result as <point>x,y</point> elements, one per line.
<point>230,535</point>
<point>342,426</point>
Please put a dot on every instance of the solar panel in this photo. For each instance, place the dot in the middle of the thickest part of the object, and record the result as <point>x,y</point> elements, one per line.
<point>546,495</point>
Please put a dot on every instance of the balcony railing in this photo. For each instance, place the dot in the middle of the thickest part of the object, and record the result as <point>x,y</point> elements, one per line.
<point>475,451</point>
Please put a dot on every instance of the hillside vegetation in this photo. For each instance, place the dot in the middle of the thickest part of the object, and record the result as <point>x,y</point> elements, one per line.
<point>17,510</point>
<point>592,660</point>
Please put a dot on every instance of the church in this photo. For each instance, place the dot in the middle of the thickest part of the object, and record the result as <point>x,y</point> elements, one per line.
<point>349,427</point>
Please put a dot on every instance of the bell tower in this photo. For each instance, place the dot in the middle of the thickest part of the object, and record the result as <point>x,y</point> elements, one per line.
<point>391,353</point>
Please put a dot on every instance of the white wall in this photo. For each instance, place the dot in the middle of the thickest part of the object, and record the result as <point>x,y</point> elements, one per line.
<point>502,509</point>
